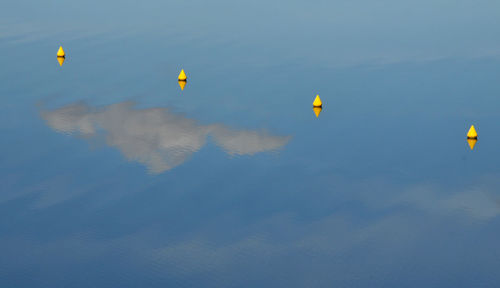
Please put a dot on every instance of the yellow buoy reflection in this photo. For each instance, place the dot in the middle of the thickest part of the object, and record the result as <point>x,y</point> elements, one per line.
<point>317,110</point>
<point>182,84</point>
<point>60,60</point>
<point>472,143</point>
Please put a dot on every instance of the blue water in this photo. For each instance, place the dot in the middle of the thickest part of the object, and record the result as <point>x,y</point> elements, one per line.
<point>112,176</point>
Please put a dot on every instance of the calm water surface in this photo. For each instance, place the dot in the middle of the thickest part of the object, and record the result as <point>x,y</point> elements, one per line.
<point>112,176</point>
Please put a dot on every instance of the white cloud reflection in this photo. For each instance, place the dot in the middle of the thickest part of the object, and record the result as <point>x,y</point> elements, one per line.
<point>156,137</point>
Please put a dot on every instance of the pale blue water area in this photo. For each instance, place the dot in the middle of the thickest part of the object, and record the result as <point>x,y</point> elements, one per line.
<point>112,176</point>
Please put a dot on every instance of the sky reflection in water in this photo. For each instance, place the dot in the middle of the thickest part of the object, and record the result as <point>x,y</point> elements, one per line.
<point>156,137</point>
<point>112,176</point>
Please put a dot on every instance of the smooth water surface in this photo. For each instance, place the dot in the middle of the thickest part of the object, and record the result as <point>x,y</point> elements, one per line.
<point>112,176</point>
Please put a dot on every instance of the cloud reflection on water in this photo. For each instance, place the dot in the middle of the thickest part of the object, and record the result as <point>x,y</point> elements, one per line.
<point>156,137</point>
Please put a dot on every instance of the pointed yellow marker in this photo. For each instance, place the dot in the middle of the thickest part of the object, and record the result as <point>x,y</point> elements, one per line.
<point>60,60</point>
<point>472,134</point>
<point>472,143</point>
<point>182,84</point>
<point>182,76</point>
<point>60,52</point>
<point>317,102</point>
<point>317,110</point>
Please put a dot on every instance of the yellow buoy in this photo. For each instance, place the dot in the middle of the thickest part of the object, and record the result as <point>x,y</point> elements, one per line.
<point>317,102</point>
<point>60,52</point>
<point>472,134</point>
<point>182,84</point>
<point>182,76</point>
<point>472,143</point>
<point>60,60</point>
<point>317,110</point>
